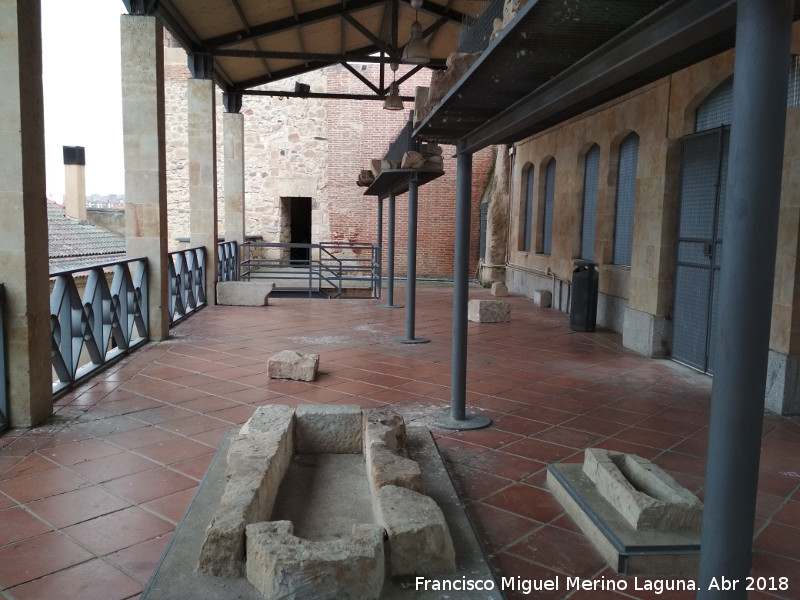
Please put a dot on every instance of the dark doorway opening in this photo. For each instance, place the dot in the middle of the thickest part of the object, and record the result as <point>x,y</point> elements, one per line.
<point>300,230</point>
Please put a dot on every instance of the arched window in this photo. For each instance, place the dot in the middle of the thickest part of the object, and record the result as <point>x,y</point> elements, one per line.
<point>527,231</point>
<point>717,109</point>
<point>590,177</point>
<point>547,207</point>
<point>626,198</point>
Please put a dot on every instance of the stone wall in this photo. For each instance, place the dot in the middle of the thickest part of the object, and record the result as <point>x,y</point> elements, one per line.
<point>316,148</point>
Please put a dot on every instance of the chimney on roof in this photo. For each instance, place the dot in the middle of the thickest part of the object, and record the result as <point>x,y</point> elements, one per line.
<point>75,178</point>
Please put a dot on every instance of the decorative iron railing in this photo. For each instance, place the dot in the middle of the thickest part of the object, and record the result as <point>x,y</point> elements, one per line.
<point>3,379</point>
<point>89,333</point>
<point>227,261</point>
<point>187,282</point>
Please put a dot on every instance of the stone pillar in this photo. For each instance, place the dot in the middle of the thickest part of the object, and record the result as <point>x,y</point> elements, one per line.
<point>75,182</point>
<point>145,158</point>
<point>233,134</point>
<point>23,227</point>
<point>203,165</point>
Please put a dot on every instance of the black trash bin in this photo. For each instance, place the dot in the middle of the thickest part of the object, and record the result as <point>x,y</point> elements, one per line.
<point>583,311</point>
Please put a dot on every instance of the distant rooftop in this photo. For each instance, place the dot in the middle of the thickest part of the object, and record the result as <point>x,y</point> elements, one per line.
<point>76,243</point>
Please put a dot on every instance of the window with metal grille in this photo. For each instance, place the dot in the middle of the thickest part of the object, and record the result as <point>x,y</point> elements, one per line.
<point>626,197</point>
<point>547,207</point>
<point>717,109</point>
<point>793,98</point>
<point>590,177</point>
<point>527,230</point>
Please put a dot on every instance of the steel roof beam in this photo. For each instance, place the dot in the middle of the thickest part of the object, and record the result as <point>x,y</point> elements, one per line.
<point>653,40</point>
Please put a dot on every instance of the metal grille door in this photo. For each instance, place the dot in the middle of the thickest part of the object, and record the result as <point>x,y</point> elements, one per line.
<point>703,176</point>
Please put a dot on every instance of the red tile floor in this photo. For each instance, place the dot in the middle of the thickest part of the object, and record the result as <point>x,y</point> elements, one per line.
<point>88,501</point>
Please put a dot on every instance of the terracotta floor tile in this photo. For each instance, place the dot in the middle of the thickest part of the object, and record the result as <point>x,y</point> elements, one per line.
<point>77,506</point>
<point>789,514</point>
<point>149,485</point>
<point>113,467</point>
<point>779,539</point>
<point>503,464</point>
<point>194,467</point>
<point>19,524</point>
<point>545,452</point>
<point>457,451</point>
<point>546,545</point>
<point>490,437</point>
<point>140,560</point>
<point>78,452</point>
<point>171,507</point>
<point>496,528</point>
<point>115,531</point>
<point>143,436</point>
<point>35,557</point>
<point>174,451</point>
<point>474,485</point>
<point>33,463</point>
<point>93,580</point>
<point>527,501</point>
<point>519,578</point>
<point>565,436</point>
<point>41,485</point>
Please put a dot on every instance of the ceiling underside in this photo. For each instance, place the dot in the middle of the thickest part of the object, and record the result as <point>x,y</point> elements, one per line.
<point>559,58</point>
<point>254,42</point>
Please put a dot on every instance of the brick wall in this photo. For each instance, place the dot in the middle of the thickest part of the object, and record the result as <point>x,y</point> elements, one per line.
<point>316,148</point>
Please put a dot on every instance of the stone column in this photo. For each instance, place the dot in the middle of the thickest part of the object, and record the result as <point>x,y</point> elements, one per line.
<point>203,165</point>
<point>142,47</point>
<point>23,227</point>
<point>233,135</point>
<point>75,182</point>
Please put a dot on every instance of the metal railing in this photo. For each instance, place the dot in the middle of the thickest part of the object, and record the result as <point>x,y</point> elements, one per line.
<point>3,379</point>
<point>227,261</point>
<point>187,282</point>
<point>110,320</point>
<point>327,269</point>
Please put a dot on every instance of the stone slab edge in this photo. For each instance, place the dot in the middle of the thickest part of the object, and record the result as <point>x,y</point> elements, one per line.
<point>625,550</point>
<point>175,578</point>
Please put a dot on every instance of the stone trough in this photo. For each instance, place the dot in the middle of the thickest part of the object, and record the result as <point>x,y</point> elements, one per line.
<point>321,502</point>
<point>637,516</point>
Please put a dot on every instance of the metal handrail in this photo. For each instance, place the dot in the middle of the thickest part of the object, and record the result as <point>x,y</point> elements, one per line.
<point>3,379</point>
<point>326,264</point>
<point>187,282</point>
<point>108,322</point>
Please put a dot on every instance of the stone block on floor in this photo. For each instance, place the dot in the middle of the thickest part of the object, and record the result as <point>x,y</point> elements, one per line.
<point>542,298</point>
<point>291,364</point>
<point>489,311</point>
<point>244,293</point>
<point>499,289</point>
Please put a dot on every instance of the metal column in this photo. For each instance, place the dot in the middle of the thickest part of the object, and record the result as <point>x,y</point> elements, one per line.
<point>763,34</point>
<point>379,244</point>
<point>390,258</point>
<point>411,279</point>
<point>458,417</point>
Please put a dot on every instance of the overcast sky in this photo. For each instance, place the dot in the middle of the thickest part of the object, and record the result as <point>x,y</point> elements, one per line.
<point>82,97</point>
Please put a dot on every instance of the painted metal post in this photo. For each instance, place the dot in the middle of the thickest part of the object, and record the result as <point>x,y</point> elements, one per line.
<point>379,244</point>
<point>411,268</point>
<point>763,34</point>
<point>390,258</point>
<point>458,417</point>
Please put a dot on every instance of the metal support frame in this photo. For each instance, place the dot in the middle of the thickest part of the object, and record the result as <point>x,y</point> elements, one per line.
<point>379,244</point>
<point>411,268</point>
<point>763,36</point>
<point>390,257</point>
<point>458,417</point>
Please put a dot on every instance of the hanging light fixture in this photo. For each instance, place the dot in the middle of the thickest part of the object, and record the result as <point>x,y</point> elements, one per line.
<point>416,50</point>
<point>393,100</point>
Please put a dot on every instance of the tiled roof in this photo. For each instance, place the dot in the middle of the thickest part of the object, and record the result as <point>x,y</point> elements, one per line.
<point>76,243</point>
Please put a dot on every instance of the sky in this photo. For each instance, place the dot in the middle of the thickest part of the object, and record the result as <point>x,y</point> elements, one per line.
<point>82,91</point>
